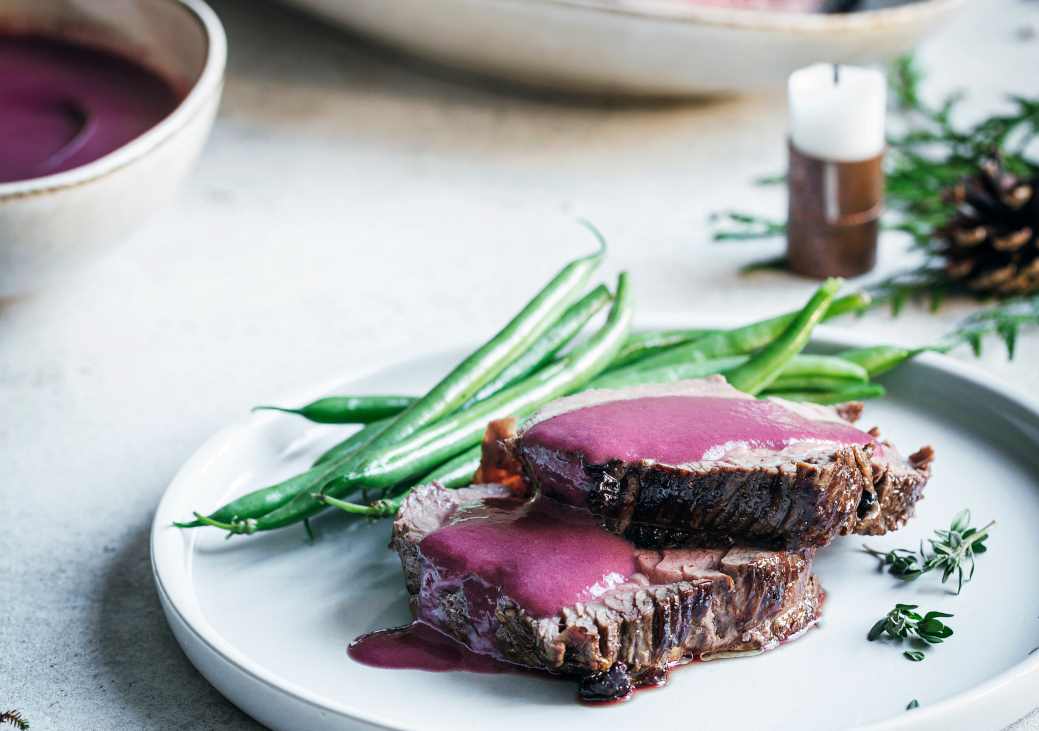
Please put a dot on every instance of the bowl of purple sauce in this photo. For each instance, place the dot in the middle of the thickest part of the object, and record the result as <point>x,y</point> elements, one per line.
<point>105,108</point>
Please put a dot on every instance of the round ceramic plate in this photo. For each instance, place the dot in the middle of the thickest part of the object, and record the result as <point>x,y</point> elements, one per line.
<point>267,618</point>
<point>661,48</point>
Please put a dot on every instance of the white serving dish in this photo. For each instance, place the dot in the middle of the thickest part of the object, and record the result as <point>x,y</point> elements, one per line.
<point>50,224</point>
<point>655,48</point>
<point>267,618</point>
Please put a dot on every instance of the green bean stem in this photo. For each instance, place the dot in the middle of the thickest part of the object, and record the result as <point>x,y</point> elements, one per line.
<point>757,373</point>
<point>347,409</point>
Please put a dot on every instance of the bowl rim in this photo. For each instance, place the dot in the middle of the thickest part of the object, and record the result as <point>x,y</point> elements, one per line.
<point>760,20</point>
<point>208,82</point>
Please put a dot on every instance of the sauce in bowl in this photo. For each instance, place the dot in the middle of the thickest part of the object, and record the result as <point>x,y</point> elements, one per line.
<point>63,105</point>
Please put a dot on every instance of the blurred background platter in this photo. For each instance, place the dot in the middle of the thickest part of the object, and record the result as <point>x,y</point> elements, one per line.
<point>652,48</point>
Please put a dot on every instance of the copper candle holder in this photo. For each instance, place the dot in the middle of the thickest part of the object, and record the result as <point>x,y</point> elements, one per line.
<point>833,216</point>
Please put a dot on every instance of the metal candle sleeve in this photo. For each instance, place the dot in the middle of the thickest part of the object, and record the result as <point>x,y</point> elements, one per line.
<point>834,214</point>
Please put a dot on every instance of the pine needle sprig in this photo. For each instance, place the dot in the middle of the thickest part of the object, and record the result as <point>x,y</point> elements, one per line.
<point>742,226</point>
<point>1004,320</point>
<point>929,155</point>
<point>15,718</point>
<point>952,551</point>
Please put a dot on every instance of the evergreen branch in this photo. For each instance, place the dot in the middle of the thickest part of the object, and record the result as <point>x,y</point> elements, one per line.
<point>14,718</point>
<point>746,226</point>
<point>1004,319</point>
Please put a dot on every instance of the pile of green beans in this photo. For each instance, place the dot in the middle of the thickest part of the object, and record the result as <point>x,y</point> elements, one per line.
<point>539,356</point>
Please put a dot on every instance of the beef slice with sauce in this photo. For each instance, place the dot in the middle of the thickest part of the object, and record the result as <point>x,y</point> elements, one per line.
<point>699,463</point>
<point>540,584</point>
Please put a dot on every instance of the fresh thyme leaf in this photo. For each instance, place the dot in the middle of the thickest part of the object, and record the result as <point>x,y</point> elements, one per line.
<point>952,551</point>
<point>905,623</point>
<point>913,704</point>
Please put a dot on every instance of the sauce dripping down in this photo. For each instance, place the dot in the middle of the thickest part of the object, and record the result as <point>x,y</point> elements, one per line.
<point>418,646</point>
<point>543,554</point>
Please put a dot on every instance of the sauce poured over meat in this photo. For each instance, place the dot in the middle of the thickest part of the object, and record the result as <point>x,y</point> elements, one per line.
<point>678,430</point>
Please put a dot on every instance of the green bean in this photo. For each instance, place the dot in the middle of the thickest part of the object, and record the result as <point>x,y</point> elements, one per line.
<point>746,339</point>
<point>811,383</point>
<point>859,392</point>
<point>352,443</point>
<point>649,342</point>
<point>830,366</point>
<point>247,508</point>
<point>457,472</point>
<point>551,342</point>
<point>443,399</point>
<point>666,374</point>
<point>494,356</point>
<point>453,435</point>
<point>879,358</point>
<point>758,372</point>
<point>348,409</point>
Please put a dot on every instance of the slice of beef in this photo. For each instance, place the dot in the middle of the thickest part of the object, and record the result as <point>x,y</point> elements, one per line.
<point>651,610</point>
<point>700,463</point>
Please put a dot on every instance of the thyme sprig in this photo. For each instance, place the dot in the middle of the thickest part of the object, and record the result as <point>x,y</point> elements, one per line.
<point>904,623</point>
<point>952,551</point>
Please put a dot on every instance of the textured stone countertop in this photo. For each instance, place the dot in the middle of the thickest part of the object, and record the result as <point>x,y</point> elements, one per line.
<point>351,208</point>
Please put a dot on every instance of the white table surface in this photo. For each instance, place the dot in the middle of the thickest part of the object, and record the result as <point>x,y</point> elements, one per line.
<point>352,208</point>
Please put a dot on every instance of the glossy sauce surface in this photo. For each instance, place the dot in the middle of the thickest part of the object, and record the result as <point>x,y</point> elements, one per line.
<point>681,429</point>
<point>420,647</point>
<point>542,554</point>
<point>63,105</point>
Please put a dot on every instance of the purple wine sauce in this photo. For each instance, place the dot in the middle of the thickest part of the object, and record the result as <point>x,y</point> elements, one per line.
<point>63,105</point>
<point>681,429</point>
<point>418,646</point>
<point>543,554</point>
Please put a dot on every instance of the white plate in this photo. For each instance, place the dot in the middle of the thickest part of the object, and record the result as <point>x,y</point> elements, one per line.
<point>635,47</point>
<point>267,618</point>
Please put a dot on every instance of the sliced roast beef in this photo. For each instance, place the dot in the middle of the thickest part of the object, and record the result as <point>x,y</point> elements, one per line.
<point>541,584</point>
<point>701,463</point>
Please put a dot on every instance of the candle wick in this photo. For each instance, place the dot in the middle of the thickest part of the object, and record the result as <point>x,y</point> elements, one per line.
<point>836,74</point>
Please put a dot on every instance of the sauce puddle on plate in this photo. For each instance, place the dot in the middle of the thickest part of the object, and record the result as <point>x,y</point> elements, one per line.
<point>418,646</point>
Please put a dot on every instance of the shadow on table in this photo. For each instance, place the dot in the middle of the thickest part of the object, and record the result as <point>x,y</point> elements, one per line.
<point>142,661</point>
<point>302,76</point>
<point>278,41</point>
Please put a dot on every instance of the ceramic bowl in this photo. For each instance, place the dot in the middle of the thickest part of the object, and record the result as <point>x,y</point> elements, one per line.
<point>50,224</point>
<point>655,48</point>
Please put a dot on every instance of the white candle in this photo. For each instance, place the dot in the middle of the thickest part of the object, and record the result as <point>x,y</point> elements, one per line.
<point>837,112</point>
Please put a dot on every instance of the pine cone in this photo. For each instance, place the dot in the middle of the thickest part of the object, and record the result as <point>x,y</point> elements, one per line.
<point>991,244</point>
